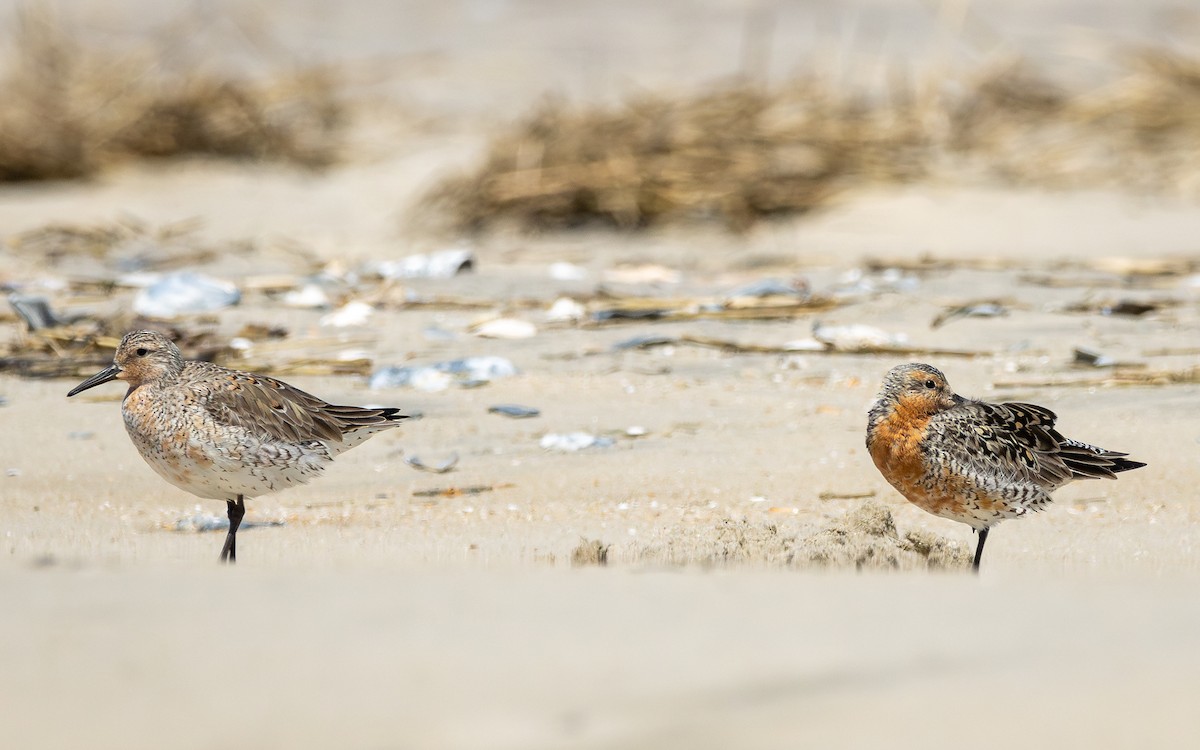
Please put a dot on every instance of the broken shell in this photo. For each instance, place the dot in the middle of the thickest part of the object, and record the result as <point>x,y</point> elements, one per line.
<point>184,293</point>
<point>308,296</point>
<point>856,336</point>
<point>441,467</point>
<point>348,315</point>
<point>565,310</point>
<point>516,411</point>
<point>505,328</point>
<point>569,442</point>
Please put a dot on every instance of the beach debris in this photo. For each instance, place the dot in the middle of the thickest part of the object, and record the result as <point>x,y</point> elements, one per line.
<point>185,293</point>
<point>833,495</point>
<point>1118,375</point>
<point>1089,358</point>
<point>35,311</point>
<point>1125,307</point>
<point>437,333</point>
<point>769,307</point>
<point>442,264</point>
<point>201,521</point>
<point>261,332</point>
<point>983,309</point>
<point>812,345</point>
<point>563,271</point>
<point>648,341</point>
<point>856,337</point>
<point>566,310</point>
<point>1132,308</point>
<point>428,378</point>
<point>589,552</point>
<point>756,290</point>
<point>809,344</point>
<point>636,431</point>
<point>617,314</point>
<point>514,411</point>
<point>127,245</point>
<point>646,273</point>
<point>309,296</point>
<point>440,467</point>
<point>473,489</point>
<point>858,281</point>
<point>569,442</point>
<point>3,401</point>
<point>505,328</point>
<point>1144,266</point>
<point>350,315</point>
<point>467,373</point>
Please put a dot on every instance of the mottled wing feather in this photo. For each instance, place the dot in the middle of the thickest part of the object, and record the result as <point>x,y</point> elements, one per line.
<point>1018,443</point>
<point>271,407</point>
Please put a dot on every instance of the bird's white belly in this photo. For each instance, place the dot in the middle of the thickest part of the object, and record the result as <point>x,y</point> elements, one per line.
<point>226,482</point>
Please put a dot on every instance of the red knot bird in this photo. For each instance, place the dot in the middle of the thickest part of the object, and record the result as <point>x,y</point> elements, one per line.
<point>972,461</point>
<point>225,434</point>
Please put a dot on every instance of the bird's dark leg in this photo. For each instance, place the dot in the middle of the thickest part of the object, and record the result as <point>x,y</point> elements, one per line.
<point>979,549</point>
<point>236,511</point>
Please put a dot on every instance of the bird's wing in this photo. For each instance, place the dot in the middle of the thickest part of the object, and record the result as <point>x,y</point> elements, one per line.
<point>277,410</point>
<point>1015,442</point>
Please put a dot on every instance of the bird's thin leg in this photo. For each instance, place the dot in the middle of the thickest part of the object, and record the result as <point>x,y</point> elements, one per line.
<point>979,549</point>
<point>236,511</point>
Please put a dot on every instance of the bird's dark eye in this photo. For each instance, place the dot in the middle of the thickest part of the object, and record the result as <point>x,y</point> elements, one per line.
<point>930,384</point>
<point>143,352</point>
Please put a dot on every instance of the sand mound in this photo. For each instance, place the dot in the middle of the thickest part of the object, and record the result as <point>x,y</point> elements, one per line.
<point>864,539</point>
<point>867,538</point>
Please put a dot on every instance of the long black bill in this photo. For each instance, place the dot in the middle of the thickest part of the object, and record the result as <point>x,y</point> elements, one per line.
<point>109,373</point>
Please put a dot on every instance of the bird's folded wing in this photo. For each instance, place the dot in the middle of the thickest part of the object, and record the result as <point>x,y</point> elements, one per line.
<point>272,408</point>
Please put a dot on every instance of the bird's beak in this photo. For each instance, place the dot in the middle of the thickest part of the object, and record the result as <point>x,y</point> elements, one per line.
<point>109,373</point>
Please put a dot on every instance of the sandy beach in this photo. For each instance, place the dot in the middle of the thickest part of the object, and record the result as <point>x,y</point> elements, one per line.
<point>381,606</point>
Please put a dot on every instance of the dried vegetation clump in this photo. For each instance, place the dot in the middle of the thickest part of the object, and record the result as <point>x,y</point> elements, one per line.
<point>590,552</point>
<point>740,152</point>
<point>67,109</point>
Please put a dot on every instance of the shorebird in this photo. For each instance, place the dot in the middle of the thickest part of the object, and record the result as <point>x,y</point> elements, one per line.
<point>972,461</point>
<point>226,434</point>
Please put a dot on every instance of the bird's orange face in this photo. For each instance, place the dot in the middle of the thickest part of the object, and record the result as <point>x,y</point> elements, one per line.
<point>916,388</point>
<point>142,357</point>
<point>146,356</point>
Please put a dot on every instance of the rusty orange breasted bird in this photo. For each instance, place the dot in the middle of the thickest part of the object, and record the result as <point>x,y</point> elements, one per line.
<point>226,434</point>
<point>972,461</point>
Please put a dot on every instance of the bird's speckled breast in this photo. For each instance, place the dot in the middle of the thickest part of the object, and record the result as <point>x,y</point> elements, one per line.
<point>180,440</point>
<point>163,440</point>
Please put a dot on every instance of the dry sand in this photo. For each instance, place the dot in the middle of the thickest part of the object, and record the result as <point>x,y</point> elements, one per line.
<point>374,617</point>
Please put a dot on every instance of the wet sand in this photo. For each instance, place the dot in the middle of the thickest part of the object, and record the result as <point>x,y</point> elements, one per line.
<point>378,617</point>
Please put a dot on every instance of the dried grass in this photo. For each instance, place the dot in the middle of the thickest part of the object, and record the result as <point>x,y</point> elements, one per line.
<point>67,110</point>
<point>589,552</point>
<point>739,152</point>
